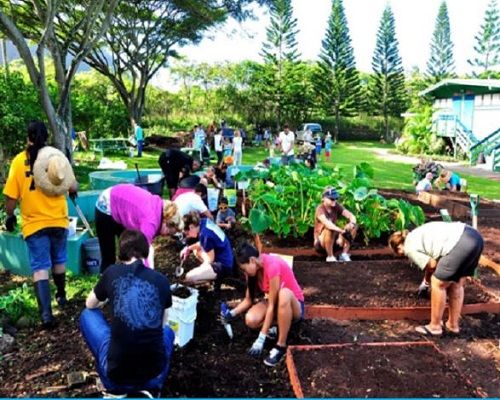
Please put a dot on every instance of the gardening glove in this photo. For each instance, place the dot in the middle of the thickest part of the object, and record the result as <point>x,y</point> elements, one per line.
<point>225,313</point>
<point>423,290</point>
<point>73,195</point>
<point>185,253</point>
<point>257,346</point>
<point>10,223</point>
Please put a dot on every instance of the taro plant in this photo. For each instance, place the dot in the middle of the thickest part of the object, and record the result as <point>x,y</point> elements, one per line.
<point>284,201</point>
<point>19,302</point>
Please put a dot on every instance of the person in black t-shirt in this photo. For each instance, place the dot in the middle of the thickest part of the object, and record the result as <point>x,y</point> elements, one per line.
<point>176,165</point>
<point>134,352</point>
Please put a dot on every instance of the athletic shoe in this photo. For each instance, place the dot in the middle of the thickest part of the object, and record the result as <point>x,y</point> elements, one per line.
<point>331,259</point>
<point>345,257</point>
<point>275,356</point>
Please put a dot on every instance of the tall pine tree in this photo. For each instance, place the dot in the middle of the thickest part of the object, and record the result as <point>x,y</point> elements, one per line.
<point>280,53</point>
<point>337,80</point>
<point>441,63</point>
<point>488,42</point>
<point>387,92</point>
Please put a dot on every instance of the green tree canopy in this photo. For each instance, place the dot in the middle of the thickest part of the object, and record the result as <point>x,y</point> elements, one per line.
<point>441,63</point>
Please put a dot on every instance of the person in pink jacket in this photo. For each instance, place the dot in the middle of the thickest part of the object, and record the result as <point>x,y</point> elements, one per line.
<point>126,206</point>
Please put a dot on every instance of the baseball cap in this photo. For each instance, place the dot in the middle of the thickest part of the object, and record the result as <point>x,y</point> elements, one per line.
<point>331,194</point>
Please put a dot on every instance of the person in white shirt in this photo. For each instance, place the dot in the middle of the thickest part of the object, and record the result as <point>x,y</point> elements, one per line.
<point>192,201</point>
<point>287,140</point>
<point>448,252</point>
<point>237,147</point>
<point>218,146</point>
<point>424,185</point>
<point>308,136</point>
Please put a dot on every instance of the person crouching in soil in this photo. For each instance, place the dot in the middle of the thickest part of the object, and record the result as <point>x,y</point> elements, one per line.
<point>272,276</point>
<point>39,178</point>
<point>448,252</point>
<point>212,248</point>
<point>126,206</point>
<point>326,233</point>
<point>134,352</point>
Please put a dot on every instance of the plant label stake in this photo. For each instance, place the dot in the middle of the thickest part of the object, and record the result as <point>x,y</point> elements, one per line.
<point>474,202</point>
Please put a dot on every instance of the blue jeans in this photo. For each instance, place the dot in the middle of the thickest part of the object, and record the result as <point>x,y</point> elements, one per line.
<point>97,333</point>
<point>287,160</point>
<point>47,247</point>
<point>140,144</point>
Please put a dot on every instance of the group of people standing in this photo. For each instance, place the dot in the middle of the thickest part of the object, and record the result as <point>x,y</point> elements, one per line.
<point>134,351</point>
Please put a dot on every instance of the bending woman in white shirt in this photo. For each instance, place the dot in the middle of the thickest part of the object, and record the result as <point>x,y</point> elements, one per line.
<point>448,252</point>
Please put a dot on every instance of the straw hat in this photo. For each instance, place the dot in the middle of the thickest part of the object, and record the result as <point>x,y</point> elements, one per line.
<point>445,175</point>
<point>52,172</point>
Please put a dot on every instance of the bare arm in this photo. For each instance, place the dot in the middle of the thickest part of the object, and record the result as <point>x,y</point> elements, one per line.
<point>329,224</point>
<point>430,268</point>
<point>93,302</point>
<point>350,216</point>
<point>10,205</point>
<point>244,305</point>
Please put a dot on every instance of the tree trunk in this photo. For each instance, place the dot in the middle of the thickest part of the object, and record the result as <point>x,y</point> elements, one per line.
<point>337,125</point>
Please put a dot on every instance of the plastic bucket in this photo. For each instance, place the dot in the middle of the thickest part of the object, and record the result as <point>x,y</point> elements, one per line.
<point>212,198</point>
<point>92,255</point>
<point>152,183</point>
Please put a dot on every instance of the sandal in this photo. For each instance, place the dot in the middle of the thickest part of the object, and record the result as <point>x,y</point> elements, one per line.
<point>424,330</point>
<point>450,332</point>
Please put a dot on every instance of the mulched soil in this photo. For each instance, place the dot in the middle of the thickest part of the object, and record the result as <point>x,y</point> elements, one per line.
<point>213,366</point>
<point>386,283</point>
<point>378,371</point>
<point>167,142</point>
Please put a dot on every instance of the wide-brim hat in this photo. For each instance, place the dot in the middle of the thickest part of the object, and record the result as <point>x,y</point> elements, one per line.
<point>52,172</point>
<point>445,176</point>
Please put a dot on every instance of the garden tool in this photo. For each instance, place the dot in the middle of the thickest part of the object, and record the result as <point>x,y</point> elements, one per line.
<point>82,217</point>
<point>179,271</point>
<point>474,202</point>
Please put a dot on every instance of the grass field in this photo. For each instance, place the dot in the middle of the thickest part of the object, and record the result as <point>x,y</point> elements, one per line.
<point>388,174</point>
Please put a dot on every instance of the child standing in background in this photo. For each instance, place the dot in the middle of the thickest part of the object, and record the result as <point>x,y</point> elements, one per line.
<point>237,147</point>
<point>225,216</point>
<point>228,147</point>
<point>328,146</point>
<point>319,145</point>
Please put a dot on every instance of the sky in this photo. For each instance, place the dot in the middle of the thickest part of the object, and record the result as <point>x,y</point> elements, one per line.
<point>414,20</point>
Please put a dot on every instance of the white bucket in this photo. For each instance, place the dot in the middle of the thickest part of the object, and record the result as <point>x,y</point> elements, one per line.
<point>182,315</point>
<point>72,226</point>
<point>184,330</point>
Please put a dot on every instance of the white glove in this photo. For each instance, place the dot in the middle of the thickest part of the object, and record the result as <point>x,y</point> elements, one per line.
<point>423,289</point>
<point>257,346</point>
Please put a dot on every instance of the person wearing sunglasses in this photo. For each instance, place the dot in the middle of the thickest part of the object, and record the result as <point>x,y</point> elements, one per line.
<point>225,216</point>
<point>327,234</point>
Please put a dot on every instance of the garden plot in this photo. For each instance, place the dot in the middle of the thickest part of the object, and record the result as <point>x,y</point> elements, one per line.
<point>387,283</point>
<point>399,369</point>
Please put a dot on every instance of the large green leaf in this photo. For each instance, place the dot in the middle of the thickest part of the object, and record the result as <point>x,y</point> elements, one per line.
<point>259,220</point>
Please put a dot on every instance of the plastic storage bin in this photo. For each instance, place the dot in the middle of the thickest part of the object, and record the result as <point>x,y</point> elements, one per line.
<point>182,315</point>
<point>14,253</point>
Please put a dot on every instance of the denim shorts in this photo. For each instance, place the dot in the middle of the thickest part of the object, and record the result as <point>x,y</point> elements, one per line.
<point>47,247</point>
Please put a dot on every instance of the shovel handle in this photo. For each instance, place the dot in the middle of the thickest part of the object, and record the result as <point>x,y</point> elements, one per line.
<point>138,174</point>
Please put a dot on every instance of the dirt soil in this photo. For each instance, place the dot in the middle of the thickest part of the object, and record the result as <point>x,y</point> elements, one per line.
<point>378,371</point>
<point>389,283</point>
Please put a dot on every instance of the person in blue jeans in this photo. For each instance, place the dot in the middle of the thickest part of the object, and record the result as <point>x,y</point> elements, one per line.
<point>139,137</point>
<point>134,352</point>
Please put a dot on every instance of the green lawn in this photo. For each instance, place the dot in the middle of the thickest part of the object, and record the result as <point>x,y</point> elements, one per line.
<point>388,174</point>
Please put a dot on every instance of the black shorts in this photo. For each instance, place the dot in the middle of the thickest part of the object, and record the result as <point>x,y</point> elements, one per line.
<point>462,260</point>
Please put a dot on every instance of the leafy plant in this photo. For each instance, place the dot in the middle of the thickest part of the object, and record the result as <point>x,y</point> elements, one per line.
<point>19,302</point>
<point>285,199</point>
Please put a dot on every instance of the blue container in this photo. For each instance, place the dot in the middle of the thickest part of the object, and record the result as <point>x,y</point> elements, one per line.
<point>92,255</point>
<point>100,180</point>
<point>86,201</point>
<point>14,253</point>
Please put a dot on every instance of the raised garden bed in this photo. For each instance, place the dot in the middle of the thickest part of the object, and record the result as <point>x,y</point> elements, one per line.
<point>396,369</point>
<point>375,290</point>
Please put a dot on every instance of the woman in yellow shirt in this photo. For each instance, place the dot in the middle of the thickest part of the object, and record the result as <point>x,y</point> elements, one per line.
<point>39,177</point>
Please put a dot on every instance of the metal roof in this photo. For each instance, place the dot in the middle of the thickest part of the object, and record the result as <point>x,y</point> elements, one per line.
<point>451,87</point>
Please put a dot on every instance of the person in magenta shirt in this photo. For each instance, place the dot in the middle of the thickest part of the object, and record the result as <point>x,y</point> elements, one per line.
<point>126,206</point>
<point>272,276</point>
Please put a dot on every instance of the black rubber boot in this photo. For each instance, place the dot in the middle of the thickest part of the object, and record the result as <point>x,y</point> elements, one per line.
<point>60,282</point>
<point>42,291</point>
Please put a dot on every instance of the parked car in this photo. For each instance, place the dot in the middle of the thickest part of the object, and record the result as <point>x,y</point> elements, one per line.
<point>315,129</point>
